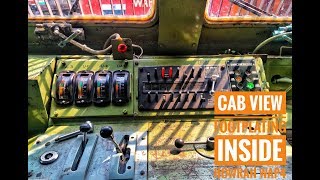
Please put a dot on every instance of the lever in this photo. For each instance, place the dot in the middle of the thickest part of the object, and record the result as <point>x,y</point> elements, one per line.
<point>199,72</point>
<point>107,133</point>
<point>68,39</point>
<point>155,73</point>
<point>148,76</point>
<point>179,143</point>
<point>84,128</point>
<point>149,97</point>
<point>74,134</point>
<point>171,96</point>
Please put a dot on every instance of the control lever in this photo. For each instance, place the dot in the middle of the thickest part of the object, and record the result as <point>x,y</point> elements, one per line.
<point>211,83</point>
<point>179,143</point>
<point>76,133</point>
<point>107,133</point>
<point>84,128</point>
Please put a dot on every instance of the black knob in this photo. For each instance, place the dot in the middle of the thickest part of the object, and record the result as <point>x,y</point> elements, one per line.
<point>179,143</point>
<point>177,73</point>
<point>91,126</point>
<point>85,127</point>
<point>106,132</point>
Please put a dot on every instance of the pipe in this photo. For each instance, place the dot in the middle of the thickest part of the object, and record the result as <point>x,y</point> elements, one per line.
<point>269,40</point>
<point>282,80</point>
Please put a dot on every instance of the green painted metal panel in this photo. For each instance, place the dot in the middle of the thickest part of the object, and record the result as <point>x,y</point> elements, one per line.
<point>40,73</point>
<point>180,24</point>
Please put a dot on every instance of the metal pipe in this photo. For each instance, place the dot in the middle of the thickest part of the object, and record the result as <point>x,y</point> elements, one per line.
<point>269,40</point>
<point>83,46</point>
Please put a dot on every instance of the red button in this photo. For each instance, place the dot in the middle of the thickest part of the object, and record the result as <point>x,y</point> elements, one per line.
<point>122,48</point>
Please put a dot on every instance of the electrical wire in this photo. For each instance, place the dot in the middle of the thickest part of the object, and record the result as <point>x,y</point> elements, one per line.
<point>203,155</point>
<point>141,50</point>
<point>269,40</point>
<point>108,41</point>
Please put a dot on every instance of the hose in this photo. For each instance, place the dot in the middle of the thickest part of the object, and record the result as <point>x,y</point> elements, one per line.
<point>271,39</point>
<point>108,41</point>
<point>283,80</point>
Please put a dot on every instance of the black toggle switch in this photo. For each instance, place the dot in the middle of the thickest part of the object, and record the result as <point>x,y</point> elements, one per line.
<point>177,73</point>
<point>202,99</point>
<point>186,97</point>
<point>171,97</point>
<point>192,72</point>
<point>155,73</point>
<point>163,98</point>
<point>148,76</point>
<point>149,97</point>
<point>156,98</point>
<point>199,72</point>
<point>179,143</point>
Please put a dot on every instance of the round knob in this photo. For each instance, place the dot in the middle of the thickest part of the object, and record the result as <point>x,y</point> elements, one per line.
<point>85,127</point>
<point>106,131</point>
<point>91,126</point>
<point>179,143</point>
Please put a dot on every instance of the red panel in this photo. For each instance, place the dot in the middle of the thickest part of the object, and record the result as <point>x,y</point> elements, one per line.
<point>224,8</point>
<point>138,7</point>
<point>215,7</point>
<point>129,8</point>
<point>95,4</point>
<point>85,7</point>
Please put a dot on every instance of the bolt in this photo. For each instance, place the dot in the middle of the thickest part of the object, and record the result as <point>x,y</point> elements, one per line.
<point>143,138</point>
<point>63,63</point>
<point>141,106</point>
<point>125,111</point>
<point>30,173</point>
<point>47,144</point>
<point>38,142</point>
<point>136,63</point>
<point>55,114</point>
<point>142,172</point>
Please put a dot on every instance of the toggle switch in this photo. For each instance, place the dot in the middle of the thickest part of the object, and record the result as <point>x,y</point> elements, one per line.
<point>171,97</point>
<point>179,143</point>
<point>202,99</point>
<point>155,73</point>
<point>149,97</point>
<point>163,98</point>
<point>170,72</point>
<point>186,97</point>
<point>199,72</point>
<point>156,98</point>
<point>192,72</point>
<point>178,71</point>
<point>148,76</point>
<point>163,72</point>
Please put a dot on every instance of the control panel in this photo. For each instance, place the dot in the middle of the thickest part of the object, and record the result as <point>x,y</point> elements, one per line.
<point>192,84</point>
<point>99,88</point>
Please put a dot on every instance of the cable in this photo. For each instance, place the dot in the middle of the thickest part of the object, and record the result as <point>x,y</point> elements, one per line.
<point>269,40</point>
<point>209,157</point>
<point>134,45</point>
<point>108,41</point>
<point>83,46</point>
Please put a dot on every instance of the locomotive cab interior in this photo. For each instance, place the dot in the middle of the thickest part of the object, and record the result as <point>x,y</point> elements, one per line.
<point>124,89</point>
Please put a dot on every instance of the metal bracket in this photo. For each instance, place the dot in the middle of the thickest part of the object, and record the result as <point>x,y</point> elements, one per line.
<point>80,172</point>
<point>130,165</point>
<point>45,31</point>
<point>71,37</point>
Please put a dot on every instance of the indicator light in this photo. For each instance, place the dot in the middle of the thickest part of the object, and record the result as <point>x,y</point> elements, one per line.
<point>122,48</point>
<point>250,85</point>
